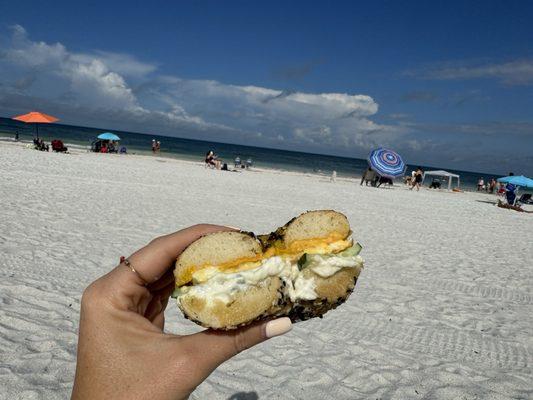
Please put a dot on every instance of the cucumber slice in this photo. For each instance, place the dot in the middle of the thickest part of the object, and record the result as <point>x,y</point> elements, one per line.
<point>351,251</point>
<point>175,293</point>
<point>302,261</point>
<point>306,259</point>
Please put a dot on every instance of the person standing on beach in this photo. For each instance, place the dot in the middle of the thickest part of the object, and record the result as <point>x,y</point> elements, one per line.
<point>480,184</point>
<point>154,146</point>
<point>417,179</point>
<point>158,147</point>
<point>364,175</point>
<point>510,193</point>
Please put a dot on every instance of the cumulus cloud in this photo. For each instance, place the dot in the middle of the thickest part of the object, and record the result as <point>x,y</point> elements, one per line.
<point>119,91</point>
<point>517,72</point>
<point>118,85</point>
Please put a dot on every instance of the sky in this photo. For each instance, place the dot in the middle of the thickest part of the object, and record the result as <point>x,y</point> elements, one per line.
<point>445,83</point>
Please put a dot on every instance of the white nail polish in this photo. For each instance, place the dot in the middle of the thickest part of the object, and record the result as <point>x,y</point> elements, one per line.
<point>278,327</point>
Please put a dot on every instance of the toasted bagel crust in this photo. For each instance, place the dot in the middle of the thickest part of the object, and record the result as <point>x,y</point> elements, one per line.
<point>316,224</point>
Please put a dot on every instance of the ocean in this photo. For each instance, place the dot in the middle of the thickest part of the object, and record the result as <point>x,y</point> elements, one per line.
<point>195,150</point>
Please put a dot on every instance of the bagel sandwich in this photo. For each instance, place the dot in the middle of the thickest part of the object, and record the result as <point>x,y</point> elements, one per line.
<point>309,266</point>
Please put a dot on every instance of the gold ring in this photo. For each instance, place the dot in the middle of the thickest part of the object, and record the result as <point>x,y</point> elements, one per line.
<point>128,264</point>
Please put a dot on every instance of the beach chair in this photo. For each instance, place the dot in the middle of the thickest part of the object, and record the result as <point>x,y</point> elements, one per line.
<point>524,199</point>
<point>58,146</point>
<point>96,146</point>
<point>386,182</point>
<point>249,163</point>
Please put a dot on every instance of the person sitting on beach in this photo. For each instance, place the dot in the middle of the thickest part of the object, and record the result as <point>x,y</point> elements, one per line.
<point>39,144</point>
<point>123,349</point>
<point>103,149</point>
<point>435,184</point>
<point>212,160</point>
<point>384,180</point>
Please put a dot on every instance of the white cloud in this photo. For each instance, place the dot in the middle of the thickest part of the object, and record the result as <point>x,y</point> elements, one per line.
<point>118,91</point>
<point>93,82</point>
<point>517,72</point>
<point>117,85</point>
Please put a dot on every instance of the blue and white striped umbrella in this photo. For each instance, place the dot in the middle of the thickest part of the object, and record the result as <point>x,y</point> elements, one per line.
<point>386,163</point>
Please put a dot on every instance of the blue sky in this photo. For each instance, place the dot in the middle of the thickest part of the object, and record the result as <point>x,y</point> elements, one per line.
<point>445,83</point>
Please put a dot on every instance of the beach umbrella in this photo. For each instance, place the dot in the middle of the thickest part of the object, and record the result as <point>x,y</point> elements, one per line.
<point>386,163</point>
<point>520,180</point>
<point>108,136</point>
<point>36,118</point>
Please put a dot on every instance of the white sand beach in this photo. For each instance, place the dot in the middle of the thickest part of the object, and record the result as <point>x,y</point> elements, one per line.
<point>443,309</point>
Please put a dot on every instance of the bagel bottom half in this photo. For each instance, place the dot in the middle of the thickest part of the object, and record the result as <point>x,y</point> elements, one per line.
<point>270,299</point>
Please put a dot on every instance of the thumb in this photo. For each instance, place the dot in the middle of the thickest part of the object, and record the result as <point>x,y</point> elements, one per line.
<point>212,348</point>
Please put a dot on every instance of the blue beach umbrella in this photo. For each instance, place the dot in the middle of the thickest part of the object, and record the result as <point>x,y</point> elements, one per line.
<point>108,136</point>
<point>387,163</point>
<point>520,180</point>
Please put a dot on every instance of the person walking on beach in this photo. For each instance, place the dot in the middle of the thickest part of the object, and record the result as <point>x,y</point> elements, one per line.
<point>417,179</point>
<point>154,146</point>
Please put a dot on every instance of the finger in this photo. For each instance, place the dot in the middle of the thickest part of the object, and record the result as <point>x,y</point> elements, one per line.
<point>153,308</point>
<point>212,348</point>
<point>159,321</point>
<point>159,302</point>
<point>152,261</point>
<point>164,281</point>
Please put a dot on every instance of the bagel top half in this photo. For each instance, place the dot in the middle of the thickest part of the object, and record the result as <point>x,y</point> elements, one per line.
<point>226,279</point>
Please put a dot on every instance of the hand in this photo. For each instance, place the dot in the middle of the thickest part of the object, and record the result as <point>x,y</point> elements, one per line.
<point>123,352</point>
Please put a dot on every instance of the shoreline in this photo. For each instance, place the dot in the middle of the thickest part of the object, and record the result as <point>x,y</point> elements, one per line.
<point>356,178</point>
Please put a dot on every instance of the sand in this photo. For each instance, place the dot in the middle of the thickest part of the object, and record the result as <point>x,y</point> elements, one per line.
<point>443,309</point>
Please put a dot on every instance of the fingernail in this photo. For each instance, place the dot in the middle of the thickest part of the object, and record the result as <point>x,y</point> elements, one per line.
<point>278,327</point>
<point>233,227</point>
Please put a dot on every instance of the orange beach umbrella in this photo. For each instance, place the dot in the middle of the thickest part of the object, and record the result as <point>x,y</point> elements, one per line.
<point>36,118</point>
